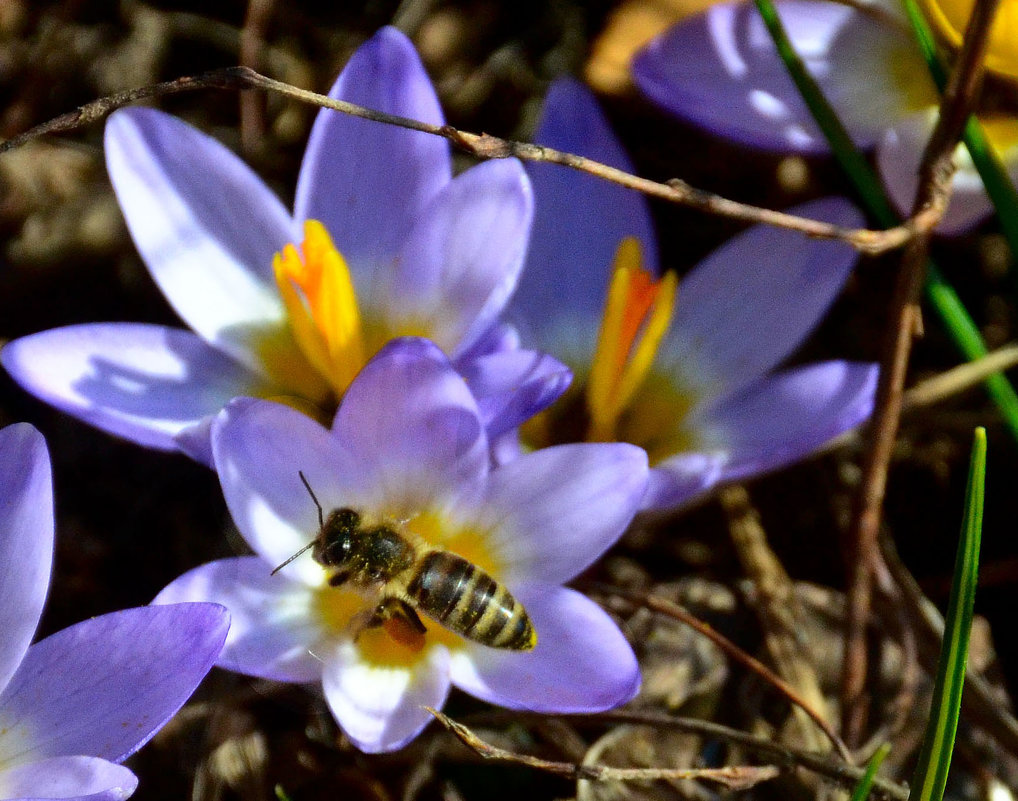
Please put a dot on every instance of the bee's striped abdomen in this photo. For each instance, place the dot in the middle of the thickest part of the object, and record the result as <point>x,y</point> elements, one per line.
<point>468,601</point>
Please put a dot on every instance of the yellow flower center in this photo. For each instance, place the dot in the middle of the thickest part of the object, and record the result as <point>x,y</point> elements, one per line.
<point>319,296</point>
<point>396,644</point>
<point>950,17</point>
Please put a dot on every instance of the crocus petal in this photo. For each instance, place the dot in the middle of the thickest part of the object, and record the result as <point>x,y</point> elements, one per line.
<point>679,479</point>
<point>500,337</point>
<point>462,258</point>
<point>720,70</point>
<point>579,223</point>
<point>579,500</point>
<point>204,223</point>
<point>367,181</point>
<point>513,386</point>
<point>69,777</point>
<point>260,449</point>
<point>582,662</point>
<point>752,301</point>
<point>413,425</point>
<point>196,441</point>
<point>898,157</point>
<point>382,708</point>
<point>786,416</point>
<point>26,540</point>
<point>103,687</point>
<point>273,633</point>
<point>145,383</point>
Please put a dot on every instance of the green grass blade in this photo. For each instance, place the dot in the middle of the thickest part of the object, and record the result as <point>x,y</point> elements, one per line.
<point>851,160</point>
<point>930,775</point>
<point>862,789</point>
<point>940,294</point>
<point>991,170</point>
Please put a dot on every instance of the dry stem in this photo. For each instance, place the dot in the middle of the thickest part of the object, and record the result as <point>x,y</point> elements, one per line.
<point>485,146</point>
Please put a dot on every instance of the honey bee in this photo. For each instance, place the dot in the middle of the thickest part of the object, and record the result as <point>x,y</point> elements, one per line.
<point>406,575</point>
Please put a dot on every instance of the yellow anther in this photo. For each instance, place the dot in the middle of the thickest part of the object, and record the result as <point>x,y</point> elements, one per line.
<point>636,317</point>
<point>319,296</point>
<point>950,17</point>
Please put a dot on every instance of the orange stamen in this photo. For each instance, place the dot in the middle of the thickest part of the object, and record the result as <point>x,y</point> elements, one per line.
<point>637,314</point>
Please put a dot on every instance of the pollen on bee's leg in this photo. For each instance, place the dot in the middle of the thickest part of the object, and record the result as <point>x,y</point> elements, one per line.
<point>402,632</point>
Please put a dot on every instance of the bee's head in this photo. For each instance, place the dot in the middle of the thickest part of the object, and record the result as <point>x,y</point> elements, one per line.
<point>334,544</point>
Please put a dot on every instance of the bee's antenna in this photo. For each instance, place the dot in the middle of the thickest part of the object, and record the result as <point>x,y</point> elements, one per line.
<point>307,547</point>
<point>321,523</point>
<point>311,492</point>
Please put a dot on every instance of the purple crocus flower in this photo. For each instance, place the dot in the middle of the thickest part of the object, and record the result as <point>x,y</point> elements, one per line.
<point>691,382</point>
<point>391,245</point>
<point>408,450</point>
<point>87,697</point>
<point>720,70</point>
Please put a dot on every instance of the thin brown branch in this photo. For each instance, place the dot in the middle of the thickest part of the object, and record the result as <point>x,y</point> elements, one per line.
<point>782,755</point>
<point>485,146</point>
<point>960,378</point>
<point>665,607</point>
<point>252,46</point>
<point>776,606</point>
<point>734,778</point>
<point>934,189</point>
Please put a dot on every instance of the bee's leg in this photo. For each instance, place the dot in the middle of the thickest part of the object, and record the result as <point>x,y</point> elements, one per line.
<point>339,578</point>
<point>409,614</point>
<point>396,609</point>
<point>400,621</point>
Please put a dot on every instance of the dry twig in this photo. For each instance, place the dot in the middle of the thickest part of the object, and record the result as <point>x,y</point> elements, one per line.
<point>734,778</point>
<point>252,45</point>
<point>934,189</point>
<point>784,756</point>
<point>733,651</point>
<point>776,607</point>
<point>485,146</point>
<point>960,378</point>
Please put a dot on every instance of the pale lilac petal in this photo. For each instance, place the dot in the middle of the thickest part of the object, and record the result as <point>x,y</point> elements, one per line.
<point>513,386</point>
<point>678,479</point>
<point>580,221</point>
<point>899,154</point>
<point>462,258</point>
<point>369,182</point>
<point>752,301</point>
<point>195,440</point>
<point>69,777</point>
<point>556,510</point>
<point>500,337</point>
<point>582,662</point>
<point>382,708</point>
<point>506,447</point>
<point>273,629</point>
<point>786,416</point>
<point>26,540</point>
<point>413,425</point>
<point>720,70</point>
<point>204,223</point>
<point>103,687</point>
<point>146,383</point>
<point>260,449</point>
